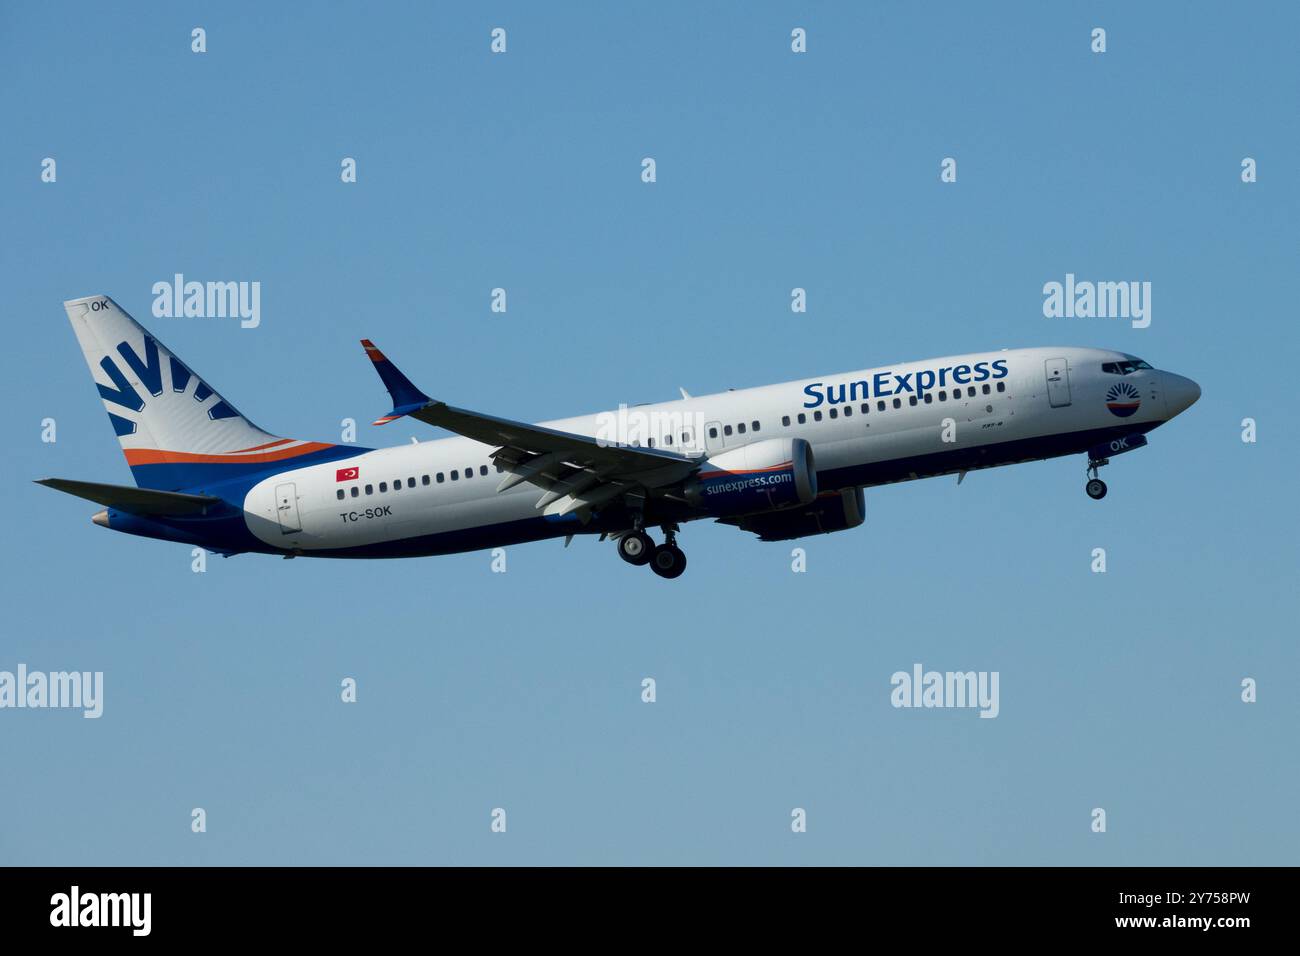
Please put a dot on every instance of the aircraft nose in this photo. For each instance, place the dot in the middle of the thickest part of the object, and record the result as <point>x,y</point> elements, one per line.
<point>1180,393</point>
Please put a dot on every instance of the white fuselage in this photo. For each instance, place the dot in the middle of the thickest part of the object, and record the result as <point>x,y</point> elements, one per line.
<point>1046,402</point>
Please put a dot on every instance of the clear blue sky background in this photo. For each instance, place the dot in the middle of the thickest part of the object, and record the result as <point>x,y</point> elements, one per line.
<point>522,690</point>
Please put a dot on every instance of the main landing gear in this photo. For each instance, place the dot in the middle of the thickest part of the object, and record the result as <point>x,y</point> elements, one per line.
<point>1096,488</point>
<point>636,547</point>
<point>666,560</point>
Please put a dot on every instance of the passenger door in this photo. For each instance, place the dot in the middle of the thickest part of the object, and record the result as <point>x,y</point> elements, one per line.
<point>286,508</point>
<point>1058,382</point>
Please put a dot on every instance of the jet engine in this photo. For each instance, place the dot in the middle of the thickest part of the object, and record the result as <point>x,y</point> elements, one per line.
<point>762,476</point>
<point>833,511</point>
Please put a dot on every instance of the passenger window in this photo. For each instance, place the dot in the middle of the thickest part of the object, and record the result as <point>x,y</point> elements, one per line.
<point>370,489</point>
<point>355,491</point>
<point>898,403</point>
<point>499,468</point>
<point>1002,386</point>
<point>848,411</point>
<point>928,398</point>
<point>455,475</point>
<point>410,482</point>
<point>835,413</point>
<point>424,479</point>
<point>441,477</point>
<point>340,495</point>
<point>986,388</point>
<point>803,419</point>
<point>741,428</point>
<point>482,469</point>
<point>469,472</point>
<point>866,407</point>
<point>754,425</point>
<point>713,432</point>
<point>943,396</point>
<point>383,486</point>
<point>397,485</point>
<point>668,439</point>
<point>817,416</point>
<point>785,420</point>
<point>970,392</point>
<point>650,442</point>
<point>911,399</point>
<point>880,405</point>
<point>726,429</point>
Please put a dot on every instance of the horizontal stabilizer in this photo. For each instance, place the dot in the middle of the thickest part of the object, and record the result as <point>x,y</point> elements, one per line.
<point>139,501</point>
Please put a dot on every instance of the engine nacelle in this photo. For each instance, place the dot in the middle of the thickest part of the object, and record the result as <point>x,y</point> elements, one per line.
<point>830,512</point>
<point>775,473</point>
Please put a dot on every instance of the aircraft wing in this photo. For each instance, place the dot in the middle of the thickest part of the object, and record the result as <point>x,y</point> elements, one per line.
<point>575,471</point>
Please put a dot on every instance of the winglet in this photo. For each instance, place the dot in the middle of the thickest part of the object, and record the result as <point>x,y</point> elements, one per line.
<point>406,397</point>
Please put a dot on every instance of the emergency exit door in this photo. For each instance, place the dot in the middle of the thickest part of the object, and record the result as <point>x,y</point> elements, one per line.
<point>1058,382</point>
<point>713,440</point>
<point>286,508</point>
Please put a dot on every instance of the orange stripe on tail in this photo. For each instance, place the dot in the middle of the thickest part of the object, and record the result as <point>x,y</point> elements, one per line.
<point>157,456</point>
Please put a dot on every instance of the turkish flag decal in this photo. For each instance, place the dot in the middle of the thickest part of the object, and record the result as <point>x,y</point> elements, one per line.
<point>347,474</point>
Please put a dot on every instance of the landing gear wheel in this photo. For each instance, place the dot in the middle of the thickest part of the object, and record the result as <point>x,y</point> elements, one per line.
<point>668,561</point>
<point>1096,489</point>
<point>636,547</point>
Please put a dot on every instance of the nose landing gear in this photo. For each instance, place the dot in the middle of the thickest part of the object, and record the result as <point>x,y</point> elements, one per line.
<point>1095,488</point>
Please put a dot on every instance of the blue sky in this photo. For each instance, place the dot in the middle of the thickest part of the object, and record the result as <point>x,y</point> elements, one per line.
<point>775,170</point>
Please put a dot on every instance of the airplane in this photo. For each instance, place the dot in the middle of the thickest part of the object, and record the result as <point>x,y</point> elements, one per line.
<point>779,461</point>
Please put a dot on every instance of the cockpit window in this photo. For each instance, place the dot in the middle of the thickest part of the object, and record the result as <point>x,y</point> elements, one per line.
<point>1124,368</point>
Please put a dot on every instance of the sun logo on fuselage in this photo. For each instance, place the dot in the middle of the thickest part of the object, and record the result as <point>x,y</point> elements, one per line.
<point>1123,399</point>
